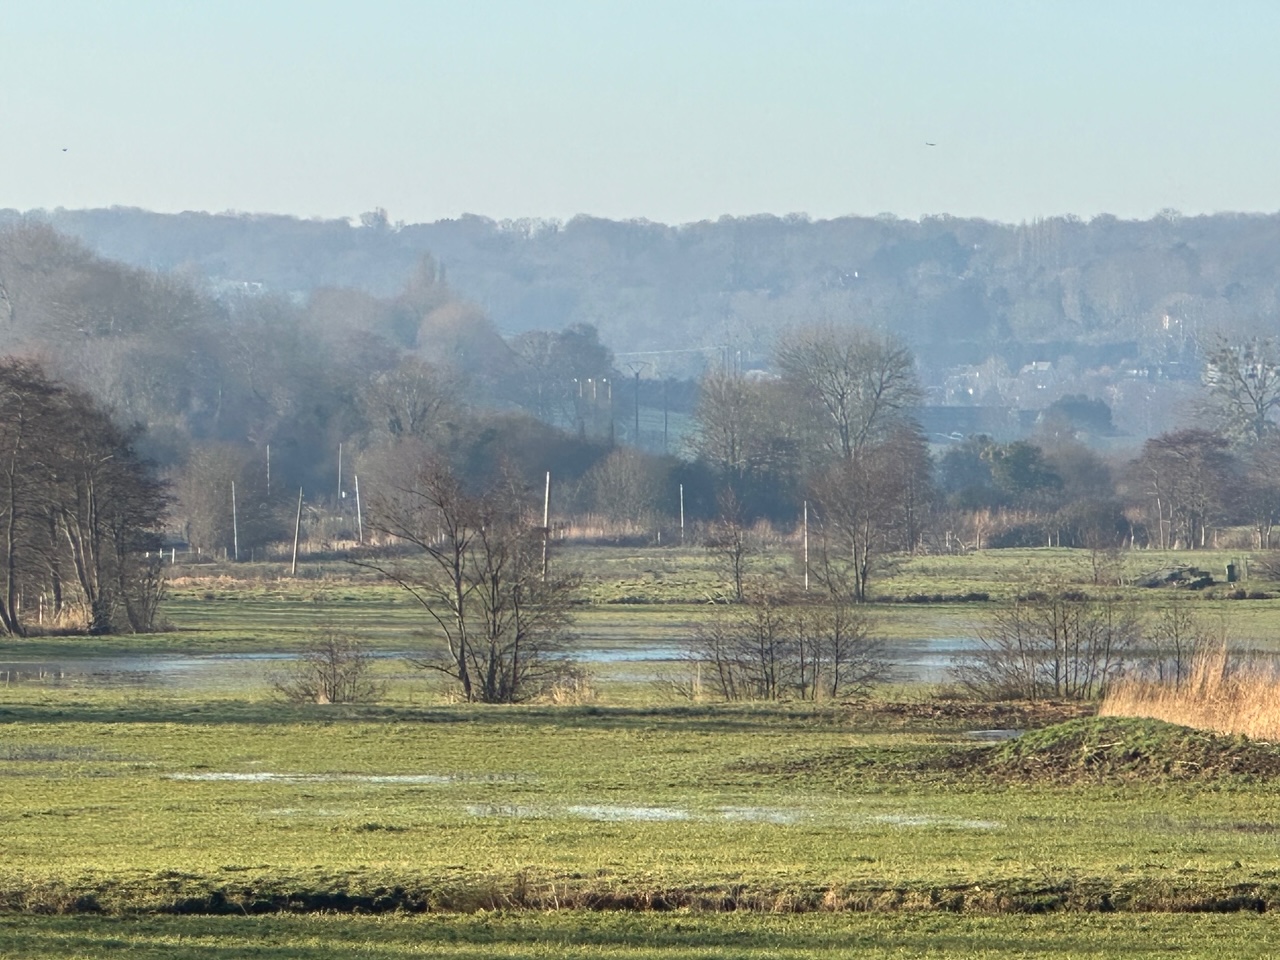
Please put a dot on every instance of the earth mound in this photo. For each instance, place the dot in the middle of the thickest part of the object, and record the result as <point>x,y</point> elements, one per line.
<point>1118,750</point>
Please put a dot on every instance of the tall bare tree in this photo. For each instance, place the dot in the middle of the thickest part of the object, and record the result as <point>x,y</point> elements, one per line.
<point>731,542</point>
<point>859,382</point>
<point>725,421</point>
<point>474,566</point>
<point>756,437</point>
<point>1244,386</point>
<point>868,507</point>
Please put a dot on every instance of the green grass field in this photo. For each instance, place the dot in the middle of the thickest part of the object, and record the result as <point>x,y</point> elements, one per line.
<point>191,822</point>
<point>678,936</point>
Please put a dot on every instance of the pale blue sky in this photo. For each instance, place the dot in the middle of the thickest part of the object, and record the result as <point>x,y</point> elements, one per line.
<point>672,111</point>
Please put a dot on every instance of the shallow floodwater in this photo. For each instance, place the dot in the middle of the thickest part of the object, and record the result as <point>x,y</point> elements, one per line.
<point>377,778</point>
<point>913,660</point>
<point>767,815</point>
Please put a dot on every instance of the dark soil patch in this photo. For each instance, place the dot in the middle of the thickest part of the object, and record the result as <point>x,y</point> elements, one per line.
<point>207,896</point>
<point>1090,750</point>
<point>1115,750</point>
<point>975,715</point>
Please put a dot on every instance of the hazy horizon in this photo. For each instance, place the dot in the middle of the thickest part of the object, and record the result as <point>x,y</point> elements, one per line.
<point>354,219</point>
<point>675,113</point>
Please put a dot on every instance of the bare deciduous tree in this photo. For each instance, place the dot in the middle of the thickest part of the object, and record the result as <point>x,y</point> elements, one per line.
<point>859,382</point>
<point>730,541</point>
<point>1244,386</point>
<point>79,510</point>
<point>1177,637</point>
<point>725,416</point>
<point>407,401</point>
<point>626,486</point>
<point>474,565</point>
<point>868,507</point>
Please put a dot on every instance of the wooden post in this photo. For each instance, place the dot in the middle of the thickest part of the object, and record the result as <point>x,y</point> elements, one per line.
<point>297,528</point>
<point>682,513</point>
<point>235,529</point>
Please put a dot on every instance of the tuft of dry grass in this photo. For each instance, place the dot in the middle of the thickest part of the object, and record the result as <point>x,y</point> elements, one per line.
<point>573,687</point>
<point>1219,693</point>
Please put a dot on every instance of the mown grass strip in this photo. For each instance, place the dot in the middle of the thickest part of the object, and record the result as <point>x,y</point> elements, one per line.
<point>672,936</point>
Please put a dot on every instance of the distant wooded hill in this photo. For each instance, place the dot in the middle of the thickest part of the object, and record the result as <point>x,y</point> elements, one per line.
<point>1106,292</point>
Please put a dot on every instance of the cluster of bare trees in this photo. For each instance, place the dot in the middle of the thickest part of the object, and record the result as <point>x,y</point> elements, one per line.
<point>1063,648</point>
<point>1069,647</point>
<point>836,429</point>
<point>777,647</point>
<point>79,512</point>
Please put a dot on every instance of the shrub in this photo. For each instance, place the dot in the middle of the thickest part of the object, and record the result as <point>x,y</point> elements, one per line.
<point>335,668</point>
<point>1061,648</point>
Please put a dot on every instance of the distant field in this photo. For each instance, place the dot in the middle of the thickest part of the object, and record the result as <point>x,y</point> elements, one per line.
<point>660,590</point>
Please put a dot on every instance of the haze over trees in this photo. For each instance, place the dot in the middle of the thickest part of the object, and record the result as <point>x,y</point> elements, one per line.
<point>259,391</point>
<point>957,291</point>
<point>243,394</point>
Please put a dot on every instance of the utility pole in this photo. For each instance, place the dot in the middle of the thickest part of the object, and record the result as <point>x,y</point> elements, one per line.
<point>636,367</point>
<point>546,525</point>
<point>682,513</point>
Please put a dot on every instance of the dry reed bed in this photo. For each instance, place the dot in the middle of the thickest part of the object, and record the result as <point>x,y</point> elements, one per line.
<point>1218,693</point>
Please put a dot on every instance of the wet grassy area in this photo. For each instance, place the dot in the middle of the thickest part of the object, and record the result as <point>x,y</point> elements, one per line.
<point>175,819</point>
<point>183,806</point>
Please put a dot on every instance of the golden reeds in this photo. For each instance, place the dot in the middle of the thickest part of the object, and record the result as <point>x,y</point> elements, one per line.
<point>1218,693</point>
